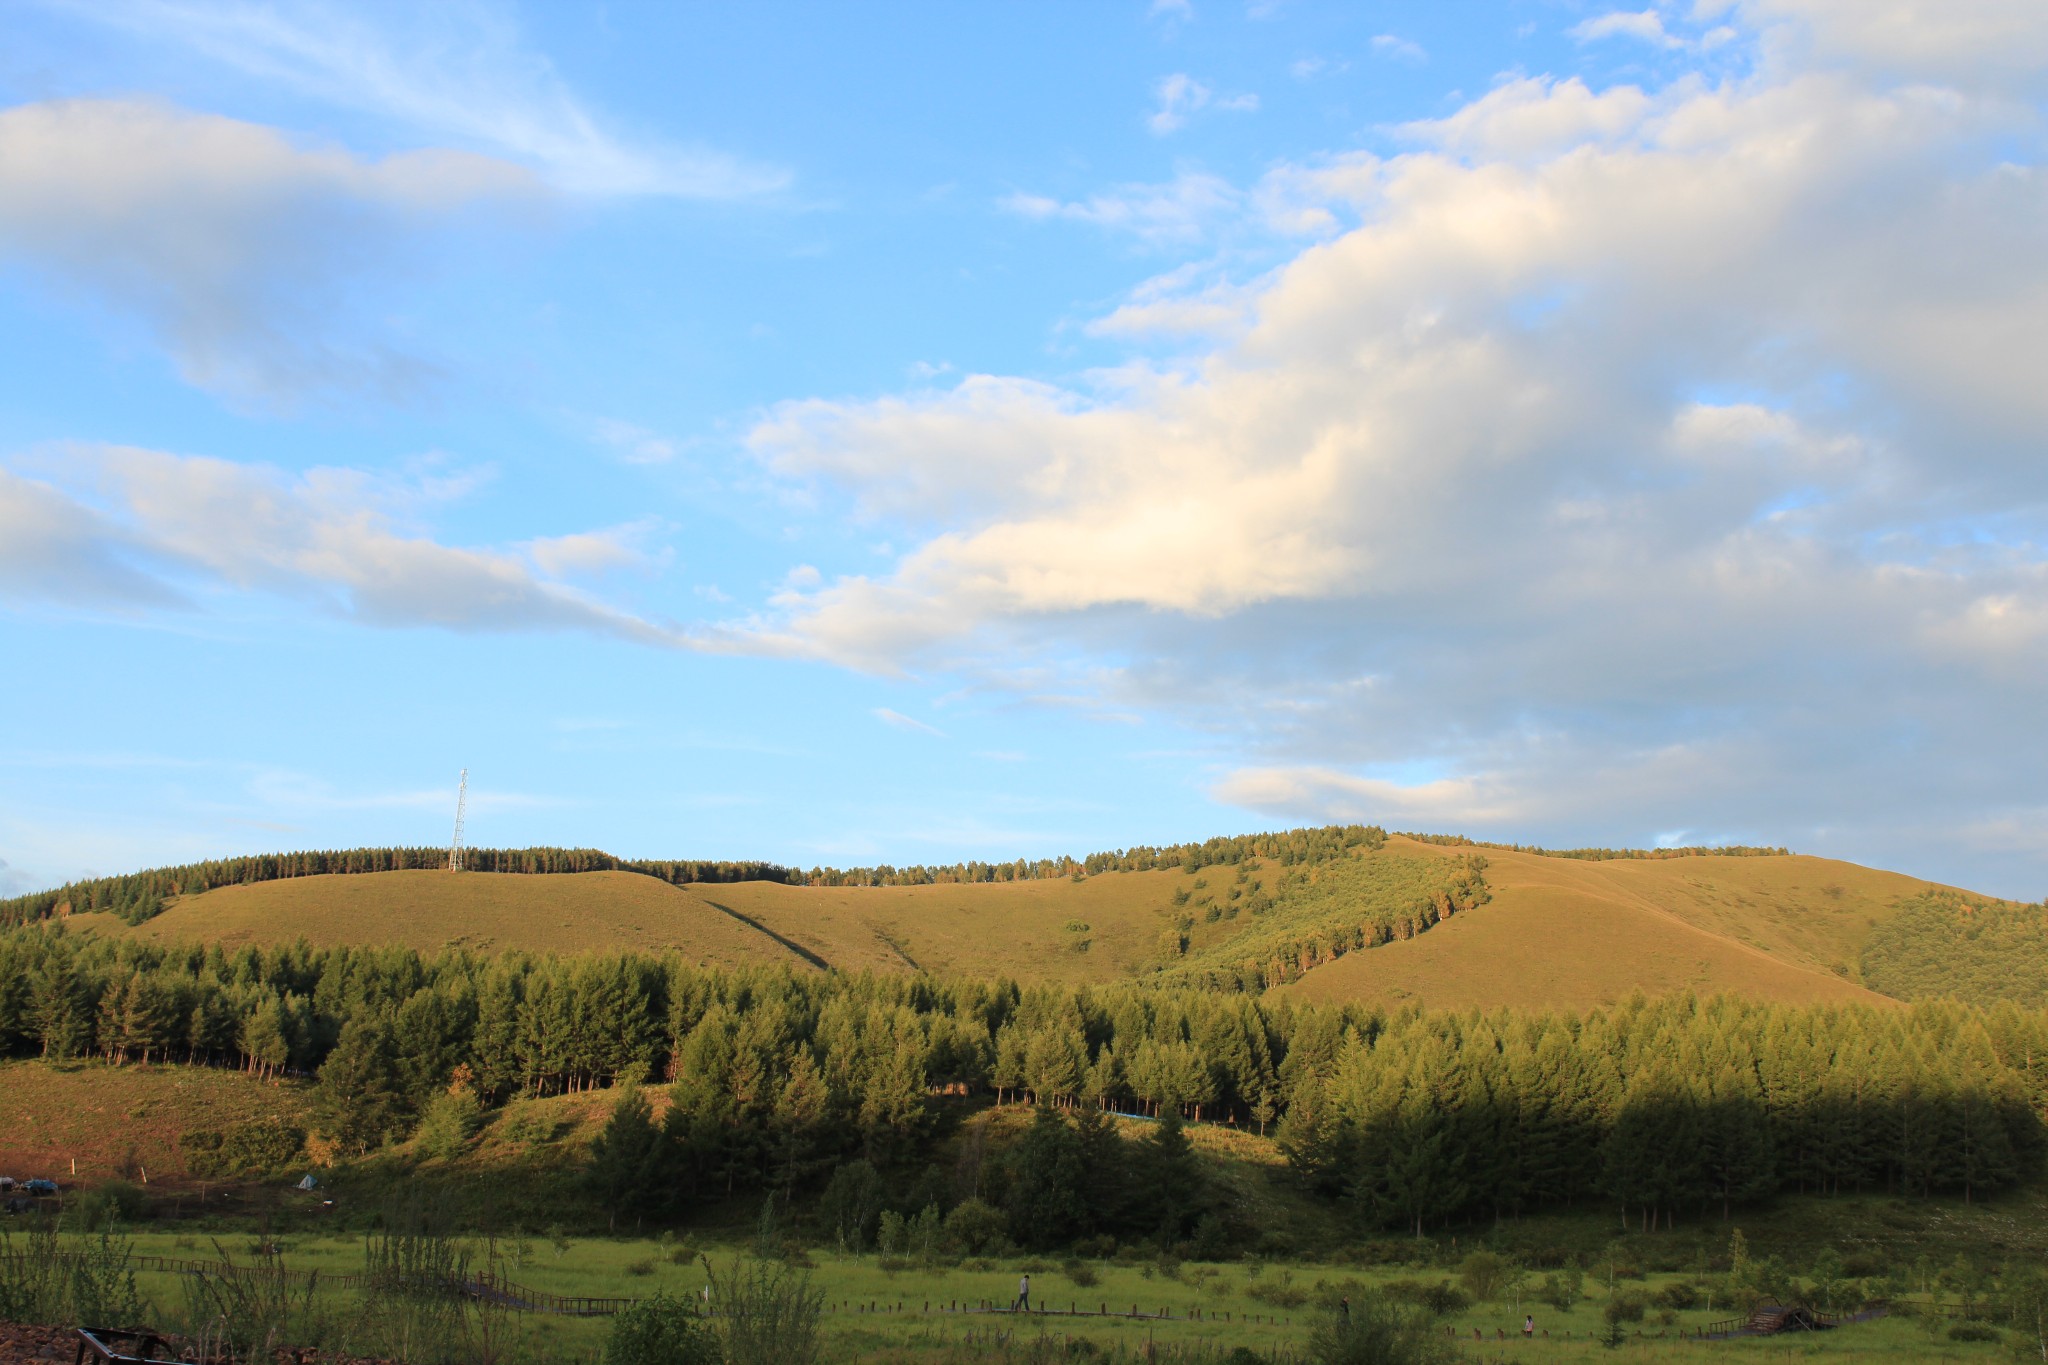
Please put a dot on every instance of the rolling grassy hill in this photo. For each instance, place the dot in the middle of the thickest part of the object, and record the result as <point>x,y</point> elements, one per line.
<point>1568,933</point>
<point>1547,931</point>
<point>83,1121</point>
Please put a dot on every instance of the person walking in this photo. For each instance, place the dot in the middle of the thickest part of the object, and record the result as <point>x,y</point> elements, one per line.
<point>1529,1327</point>
<point>1023,1303</point>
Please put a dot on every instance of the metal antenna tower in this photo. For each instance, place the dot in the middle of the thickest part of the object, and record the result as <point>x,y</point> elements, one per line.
<point>455,846</point>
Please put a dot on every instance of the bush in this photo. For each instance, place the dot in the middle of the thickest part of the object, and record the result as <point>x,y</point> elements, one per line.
<point>1378,1332</point>
<point>976,1228</point>
<point>451,1120</point>
<point>661,1330</point>
<point>1625,1306</point>
<point>1562,1289</point>
<point>242,1312</point>
<point>246,1149</point>
<point>92,1284</point>
<point>1442,1299</point>
<point>1676,1295</point>
<point>1482,1274</point>
<point>1080,1273</point>
<point>1974,1331</point>
<point>1281,1292</point>
<point>110,1205</point>
<point>769,1313</point>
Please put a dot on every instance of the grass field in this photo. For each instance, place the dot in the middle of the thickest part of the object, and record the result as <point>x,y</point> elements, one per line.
<point>101,1122</point>
<point>480,911</point>
<point>1557,932</point>
<point>880,1310</point>
<point>1567,933</point>
<point>522,1171</point>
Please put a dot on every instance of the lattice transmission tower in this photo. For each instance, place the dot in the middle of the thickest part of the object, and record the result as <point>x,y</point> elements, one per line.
<point>455,845</point>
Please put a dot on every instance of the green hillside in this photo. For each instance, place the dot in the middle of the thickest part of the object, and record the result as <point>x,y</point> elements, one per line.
<point>1944,943</point>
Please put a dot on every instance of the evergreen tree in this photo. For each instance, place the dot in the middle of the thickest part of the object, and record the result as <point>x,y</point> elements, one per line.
<point>631,1160</point>
<point>360,1101</point>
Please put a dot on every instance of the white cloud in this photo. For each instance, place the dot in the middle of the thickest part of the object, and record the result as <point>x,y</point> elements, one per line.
<point>1978,43</point>
<point>1182,209</point>
<point>457,71</point>
<point>589,553</point>
<point>1171,9</point>
<point>897,720</point>
<point>1641,460</point>
<point>635,444</point>
<point>1179,95</point>
<point>235,246</point>
<point>139,529</point>
<point>1398,48</point>
<point>1644,25</point>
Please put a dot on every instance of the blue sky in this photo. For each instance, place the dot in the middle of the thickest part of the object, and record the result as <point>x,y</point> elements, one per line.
<point>836,434</point>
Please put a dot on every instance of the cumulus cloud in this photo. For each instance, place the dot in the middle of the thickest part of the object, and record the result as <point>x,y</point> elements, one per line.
<point>137,529</point>
<point>458,71</point>
<point>1661,458</point>
<point>1972,42</point>
<point>233,244</point>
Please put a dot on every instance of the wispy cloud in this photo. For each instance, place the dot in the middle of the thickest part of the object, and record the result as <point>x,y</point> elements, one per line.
<point>1398,49</point>
<point>138,530</point>
<point>635,444</point>
<point>1645,25</point>
<point>458,70</point>
<point>1180,96</point>
<point>242,251</point>
<point>891,717</point>
<point>1179,210</point>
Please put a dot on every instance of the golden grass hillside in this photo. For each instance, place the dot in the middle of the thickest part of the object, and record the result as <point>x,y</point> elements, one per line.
<point>1098,929</point>
<point>1570,933</point>
<point>88,1122</point>
<point>481,911</point>
<point>1557,932</point>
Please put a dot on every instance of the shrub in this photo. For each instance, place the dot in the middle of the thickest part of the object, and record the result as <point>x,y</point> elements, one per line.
<point>1482,1274</point>
<point>977,1228</point>
<point>1676,1295</point>
<point>1625,1306</point>
<point>1280,1292</point>
<point>661,1330</point>
<point>109,1205</point>
<point>246,1149</point>
<point>242,1312</point>
<point>768,1312</point>
<point>644,1266</point>
<point>1974,1331</point>
<point>1439,1300</point>
<point>1079,1272</point>
<point>1378,1332</point>
<point>451,1120</point>
<point>1562,1289</point>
